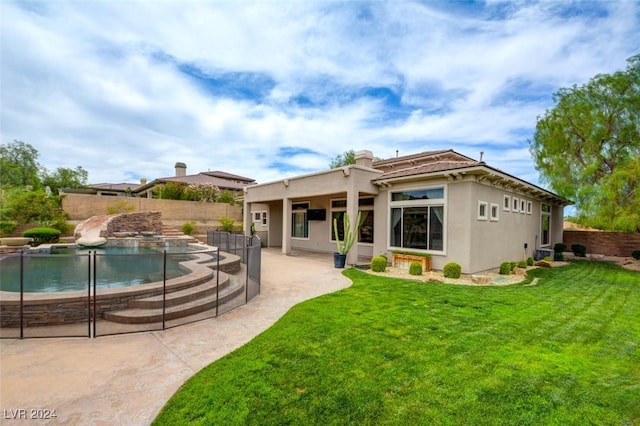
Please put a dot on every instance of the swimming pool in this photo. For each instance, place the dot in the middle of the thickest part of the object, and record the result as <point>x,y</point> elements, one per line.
<point>70,269</point>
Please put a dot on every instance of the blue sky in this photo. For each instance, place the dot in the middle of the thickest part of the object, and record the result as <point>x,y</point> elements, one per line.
<point>268,89</point>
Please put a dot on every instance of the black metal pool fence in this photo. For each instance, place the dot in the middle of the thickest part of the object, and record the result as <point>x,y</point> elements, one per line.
<point>220,280</point>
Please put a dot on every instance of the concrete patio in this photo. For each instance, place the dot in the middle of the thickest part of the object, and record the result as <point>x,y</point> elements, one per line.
<point>127,379</point>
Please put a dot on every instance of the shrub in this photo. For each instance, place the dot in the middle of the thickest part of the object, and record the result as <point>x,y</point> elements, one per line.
<point>547,258</point>
<point>505,268</point>
<point>559,248</point>
<point>579,250</point>
<point>558,257</point>
<point>379,264</point>
<point>452,270</point>
<point>513,265</point>
<point>385,257</point>
<point>415,268</point>
<point>7,227</point>
<point>42,235</point>
<point>635,254</point>
<point>226,223</point>
<point>522,264</point>
<point>189,228</point>
<point>530,261</point>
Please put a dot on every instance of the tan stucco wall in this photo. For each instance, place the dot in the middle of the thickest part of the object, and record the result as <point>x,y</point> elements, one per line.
<point>174,213</point>
<point>477,245</point>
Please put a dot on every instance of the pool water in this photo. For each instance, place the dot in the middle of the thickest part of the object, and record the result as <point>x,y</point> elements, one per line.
<point>68,269</point>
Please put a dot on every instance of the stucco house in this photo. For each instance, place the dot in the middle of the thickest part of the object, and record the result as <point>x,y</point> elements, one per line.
<point>440,202</point>
<point>220,179</point>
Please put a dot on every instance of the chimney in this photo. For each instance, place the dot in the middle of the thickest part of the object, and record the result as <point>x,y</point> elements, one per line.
<point>143,181</point>
<point>364,158</point>
<point>181,169</point>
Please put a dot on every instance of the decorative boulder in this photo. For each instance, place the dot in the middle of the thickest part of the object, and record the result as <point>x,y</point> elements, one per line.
<point>91,242</point>
<point>543,264</point>
<point>480,279</point>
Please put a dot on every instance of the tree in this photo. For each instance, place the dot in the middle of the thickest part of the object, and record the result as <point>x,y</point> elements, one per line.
<point>345,159</point>
<point>587,148</point>
<point>64,177</point>
<point>19,165</point>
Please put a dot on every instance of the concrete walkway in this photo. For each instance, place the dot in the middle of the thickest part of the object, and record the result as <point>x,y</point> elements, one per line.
<point>127,379</point>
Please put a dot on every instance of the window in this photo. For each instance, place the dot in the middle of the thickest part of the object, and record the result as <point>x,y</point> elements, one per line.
<point>506,203</point>
<point>522,206</point>
<point>482,210</point>
<point>264,218</point>
<point>495,211</point>
<point>545,225</point>
<point>529,207</point>
<point>365,208</point>
<point>256,216</point>
<point>515,205</point>
<point>299,222</point>
<point>418,222</point>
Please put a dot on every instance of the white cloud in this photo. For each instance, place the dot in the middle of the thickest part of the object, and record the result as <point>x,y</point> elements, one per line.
<point>104,84</point>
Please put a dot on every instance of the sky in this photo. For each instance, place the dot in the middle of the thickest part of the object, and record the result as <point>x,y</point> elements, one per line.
<point>273,89</point>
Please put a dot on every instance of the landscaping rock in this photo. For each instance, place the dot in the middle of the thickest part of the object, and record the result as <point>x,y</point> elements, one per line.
<point>480,279</point>
<point>520,271</point>
<point>543,264</point>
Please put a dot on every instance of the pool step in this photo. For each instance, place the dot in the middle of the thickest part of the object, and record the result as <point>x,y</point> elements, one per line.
<point>183,296</point>
<point>179,304</point>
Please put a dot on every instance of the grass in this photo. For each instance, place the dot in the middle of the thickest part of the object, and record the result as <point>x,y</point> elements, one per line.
<point>384,351</point>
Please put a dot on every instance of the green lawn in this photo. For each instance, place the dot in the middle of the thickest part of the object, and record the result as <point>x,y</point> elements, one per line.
<point>565,351</point>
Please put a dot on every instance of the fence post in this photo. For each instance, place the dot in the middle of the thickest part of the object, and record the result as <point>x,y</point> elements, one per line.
<point>89,317</point>
<point>21,295</point>
<point>92,263</point>
<point>164,289</point>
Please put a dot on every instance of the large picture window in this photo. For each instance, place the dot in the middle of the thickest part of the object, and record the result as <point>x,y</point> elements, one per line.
<point>299,221</point>
<point>418,222</point>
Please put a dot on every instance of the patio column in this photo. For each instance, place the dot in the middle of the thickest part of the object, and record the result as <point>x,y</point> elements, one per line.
<point>247,219</point>
<point>352,211</point>
<point>286,226</point>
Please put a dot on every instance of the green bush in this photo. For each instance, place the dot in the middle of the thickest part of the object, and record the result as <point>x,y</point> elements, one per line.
<point>635,254</point>
<point>7,227</point>
<point>530,261</point>
<point>547,258</point>
<point>452,270</point>
<point>189,228</point>
<point>522,264</point>
<point>559,248</point>
<point>579,250</point>
<point>505,268</point>
<point>558,257</point>
<point>415,268</point>
<point>379,264</point>
<point>385,257</point>
<point>226,223</point>
<point>42,235</point>
<point>513,265</point>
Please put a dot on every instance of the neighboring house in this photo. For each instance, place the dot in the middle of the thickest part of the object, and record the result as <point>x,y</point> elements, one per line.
<point>222,180</point>
<point>438,202</point>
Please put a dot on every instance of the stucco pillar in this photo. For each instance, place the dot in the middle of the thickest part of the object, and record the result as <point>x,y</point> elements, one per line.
<point>352,211</point>
<point>286,226</point>
<point>247,219</point>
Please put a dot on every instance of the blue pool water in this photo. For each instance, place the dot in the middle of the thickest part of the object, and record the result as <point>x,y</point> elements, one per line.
<point>68,269</point>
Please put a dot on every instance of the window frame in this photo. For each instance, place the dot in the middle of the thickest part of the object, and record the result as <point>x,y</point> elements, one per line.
<point>515,204</point>
<point>545,214</point>
<point>361,208</point>
<point>493,207</point>
<point>506,203</point>
<point>483,213</point>
<point>428,203</point>
<point>296,211</point>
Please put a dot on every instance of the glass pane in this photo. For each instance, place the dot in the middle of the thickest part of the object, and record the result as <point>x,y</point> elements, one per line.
<point>365,202</point>
<point>338,204</point>
<point>366,230</point>
<point>415,227</point>
<point>420,194</point>
<point>396,228</point>
<point>299,227</point>
<point>545,229</point>
<point>436,228</point>
<point>339,216</point>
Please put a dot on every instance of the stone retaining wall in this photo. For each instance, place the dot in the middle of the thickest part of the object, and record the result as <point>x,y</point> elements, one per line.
<point>606,243</point>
